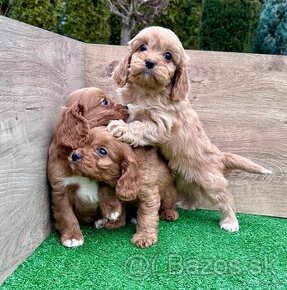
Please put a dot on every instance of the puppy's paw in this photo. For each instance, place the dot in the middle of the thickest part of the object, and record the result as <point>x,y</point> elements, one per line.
<point>72,243</point>
<point>100,223</point>
<point>230,226</point>
<point>115,224</point>
<point>113,216</point>
<point>169,215</point>
<point>144,240</point>
<point>72,239</point>
<point>117,128</point>
<point>133,221</point>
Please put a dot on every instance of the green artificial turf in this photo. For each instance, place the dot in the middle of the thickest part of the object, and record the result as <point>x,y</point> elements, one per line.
<point>192,253</point>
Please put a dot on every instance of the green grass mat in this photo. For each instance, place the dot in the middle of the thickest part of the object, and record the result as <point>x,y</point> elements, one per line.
<point>192,253</point>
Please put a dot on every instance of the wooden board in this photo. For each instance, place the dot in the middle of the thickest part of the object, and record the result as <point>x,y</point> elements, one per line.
<point>242,102</point>
<point>37,69</point>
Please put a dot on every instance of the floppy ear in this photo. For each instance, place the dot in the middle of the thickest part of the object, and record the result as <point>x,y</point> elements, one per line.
<point>180,84</point>
<point>120,74</point>
<point>128,185</point>
<point>74,129</point>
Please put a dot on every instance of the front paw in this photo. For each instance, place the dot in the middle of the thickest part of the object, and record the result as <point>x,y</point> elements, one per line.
<point>169,215</point>
<point>115,224</point>
<point>114,216</point>
<point>117,128</point>
<point>71,240</point>
<point>143,240</point>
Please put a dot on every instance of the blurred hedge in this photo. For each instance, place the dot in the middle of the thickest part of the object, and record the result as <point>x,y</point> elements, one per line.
<point>224,25</point>
<point>183,17</point>
<point>271,35</point>
<point>229,25</point>
<point>40,13</point>
<point>85,20</point>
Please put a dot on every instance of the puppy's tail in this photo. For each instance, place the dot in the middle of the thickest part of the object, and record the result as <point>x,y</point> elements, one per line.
<point>234,161</point>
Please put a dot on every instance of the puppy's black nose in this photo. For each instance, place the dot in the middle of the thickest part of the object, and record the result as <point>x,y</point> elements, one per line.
<point>149,64</point>
<point>126,107</point>
<point>76,156</point>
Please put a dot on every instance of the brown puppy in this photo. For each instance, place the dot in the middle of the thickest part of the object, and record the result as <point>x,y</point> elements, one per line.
<point>155,87</point>
<point>139,175</point>
<point>76,198</point>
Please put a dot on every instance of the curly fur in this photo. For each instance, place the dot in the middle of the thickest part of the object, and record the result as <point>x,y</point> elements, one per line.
<point>75,198</point>
<point>138,175</point>
<point>161,115</point>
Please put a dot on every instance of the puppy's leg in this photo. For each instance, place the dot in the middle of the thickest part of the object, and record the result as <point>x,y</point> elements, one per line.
<point>225,202</point>
<point>188,193</point>
<point>216,189</point>
<point>66,221</point>
<point>111,208</point>
<point>147,219</point>
<point>168,201</point>
<point>139,133</point>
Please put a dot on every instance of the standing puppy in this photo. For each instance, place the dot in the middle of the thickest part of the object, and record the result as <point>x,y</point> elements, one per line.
<point>155,86</point>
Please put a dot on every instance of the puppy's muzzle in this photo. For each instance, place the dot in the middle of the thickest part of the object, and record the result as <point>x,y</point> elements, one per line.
<point>149,63</point>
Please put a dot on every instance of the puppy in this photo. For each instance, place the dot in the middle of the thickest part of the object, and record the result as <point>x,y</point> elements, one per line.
<point>137,175</point>
<point>76,198</point>
<point>154,83</point>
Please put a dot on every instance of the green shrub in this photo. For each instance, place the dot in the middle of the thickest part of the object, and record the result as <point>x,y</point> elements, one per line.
<point>271,34</point>
<point>229,25</point>
<point>4,7</point>
<point>183,17</point>
<point>115,24</point>
<point>40,13</point>
<point>86,20</point>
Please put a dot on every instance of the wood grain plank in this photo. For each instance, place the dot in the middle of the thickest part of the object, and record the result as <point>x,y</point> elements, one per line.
<point>242,102</point>
<point>38,69</point>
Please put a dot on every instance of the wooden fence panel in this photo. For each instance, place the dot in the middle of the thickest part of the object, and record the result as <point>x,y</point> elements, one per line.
<point>242,102</point>
<point>37,69</point>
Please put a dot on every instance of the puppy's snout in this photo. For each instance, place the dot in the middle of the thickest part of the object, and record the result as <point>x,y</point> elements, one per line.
<point>149,63</point>
<point>76,156</point>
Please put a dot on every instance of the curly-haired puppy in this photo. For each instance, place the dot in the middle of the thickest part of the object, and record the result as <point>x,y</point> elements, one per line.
<point>137,175</point>
<point>76,198</point>
<point>155,87</point>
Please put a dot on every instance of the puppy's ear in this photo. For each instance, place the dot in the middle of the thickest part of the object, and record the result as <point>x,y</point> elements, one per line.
<point>120,74</point>
<point>128,184</point>
<point>180,84</point>
<point>74,129</point>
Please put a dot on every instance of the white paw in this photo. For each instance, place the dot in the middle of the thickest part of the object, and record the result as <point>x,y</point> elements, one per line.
<point>117,128</point>
<point>134,221</point>
<point>100,223</point>
<point>73,243</point>
<point>230,227</point>
<point>114,216</point>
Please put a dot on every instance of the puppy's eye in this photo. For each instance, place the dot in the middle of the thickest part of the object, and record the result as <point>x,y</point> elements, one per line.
<point>142,47</point>
<point>105,102</point>
<point>167,55</point>
<point>102,152</point>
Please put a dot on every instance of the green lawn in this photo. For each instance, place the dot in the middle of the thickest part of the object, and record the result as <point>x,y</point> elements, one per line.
<point>192,253</point>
